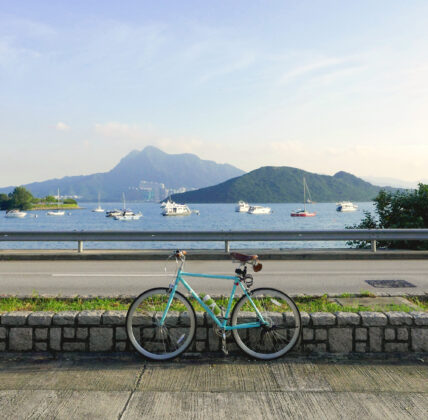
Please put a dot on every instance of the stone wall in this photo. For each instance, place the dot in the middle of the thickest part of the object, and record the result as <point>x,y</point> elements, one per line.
<point>105,331</point>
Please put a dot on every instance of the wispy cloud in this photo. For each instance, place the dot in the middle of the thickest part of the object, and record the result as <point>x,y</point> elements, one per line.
<point>61,126</point>
<point>327,65</point>
<point>124,131</point>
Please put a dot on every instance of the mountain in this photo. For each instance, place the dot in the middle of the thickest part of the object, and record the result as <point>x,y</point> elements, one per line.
<point>393,182</point>
<point>151,164</point>
<point>283,185</point>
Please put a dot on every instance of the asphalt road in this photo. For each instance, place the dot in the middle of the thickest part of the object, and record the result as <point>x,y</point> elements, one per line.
<point>111,278</point>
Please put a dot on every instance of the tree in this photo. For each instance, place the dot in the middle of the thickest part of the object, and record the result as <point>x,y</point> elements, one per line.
<point>69,201</point>
<point>21,199</point>
<point>50,199</point>
<point>400,210</point>
<point>4,202</point>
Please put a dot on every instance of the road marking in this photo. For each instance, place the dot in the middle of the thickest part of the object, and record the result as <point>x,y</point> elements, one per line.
<point>109,275</point>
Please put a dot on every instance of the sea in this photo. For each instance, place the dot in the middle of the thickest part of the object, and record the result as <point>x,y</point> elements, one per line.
<point>212,217</point>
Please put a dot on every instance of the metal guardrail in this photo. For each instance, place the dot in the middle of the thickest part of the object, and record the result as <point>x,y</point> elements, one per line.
<point>371,235</point>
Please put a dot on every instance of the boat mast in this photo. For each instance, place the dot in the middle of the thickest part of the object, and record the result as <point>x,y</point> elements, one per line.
<point>304,194</point>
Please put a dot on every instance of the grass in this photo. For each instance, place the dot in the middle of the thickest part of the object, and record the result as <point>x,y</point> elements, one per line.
<point>305,304</point>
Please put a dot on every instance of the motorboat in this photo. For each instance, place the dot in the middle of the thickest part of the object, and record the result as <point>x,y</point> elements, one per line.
<point>112,213</point>
<point>128,215</point>
<point>168,203</point>
<point>242,207</point>
<point>15,214</point>
<point>259,210</point>
<point>303,212</point>
<point>174,209</point>
<point>56,212</point>
<point>345,206</point>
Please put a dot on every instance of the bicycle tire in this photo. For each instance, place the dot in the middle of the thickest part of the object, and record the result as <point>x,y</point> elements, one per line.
<point>282,332</point>
<point>148,337</point>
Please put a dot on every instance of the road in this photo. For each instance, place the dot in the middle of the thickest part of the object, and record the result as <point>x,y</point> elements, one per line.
<point>128,388</point>
<point>111,278</point>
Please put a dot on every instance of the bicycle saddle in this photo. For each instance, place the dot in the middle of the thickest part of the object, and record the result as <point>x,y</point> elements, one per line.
<point>247,258</point>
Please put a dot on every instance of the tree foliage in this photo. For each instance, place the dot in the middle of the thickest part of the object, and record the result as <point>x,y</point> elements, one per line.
<point>399,210</point>
<point>21,199</point>
<point>50,199</point>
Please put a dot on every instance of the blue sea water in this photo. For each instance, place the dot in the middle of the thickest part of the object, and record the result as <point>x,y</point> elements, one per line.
<point>213,217</point>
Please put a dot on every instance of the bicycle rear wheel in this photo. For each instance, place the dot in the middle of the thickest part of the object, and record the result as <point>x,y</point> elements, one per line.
<point>155,341</point>
<point>281,330</point>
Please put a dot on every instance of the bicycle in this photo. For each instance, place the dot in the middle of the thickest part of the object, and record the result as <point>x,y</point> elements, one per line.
<point>265,322</point>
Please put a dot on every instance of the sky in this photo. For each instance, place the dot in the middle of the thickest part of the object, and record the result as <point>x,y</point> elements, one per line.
<point>319,85</point>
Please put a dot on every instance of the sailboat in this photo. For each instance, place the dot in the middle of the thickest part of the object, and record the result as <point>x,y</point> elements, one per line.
<point>303,212</point>
<point>127,214</point>
<point>56,212</point>
<point>99,209</point>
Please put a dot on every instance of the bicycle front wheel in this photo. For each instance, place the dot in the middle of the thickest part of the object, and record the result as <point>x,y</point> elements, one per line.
<point>279,323</point>
<point>153,338</point>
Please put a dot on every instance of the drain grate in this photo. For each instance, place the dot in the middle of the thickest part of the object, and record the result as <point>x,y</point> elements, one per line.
<point>390,283</point>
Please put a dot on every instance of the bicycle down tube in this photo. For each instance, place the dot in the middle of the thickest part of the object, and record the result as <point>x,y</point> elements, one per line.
<point>179,279</point>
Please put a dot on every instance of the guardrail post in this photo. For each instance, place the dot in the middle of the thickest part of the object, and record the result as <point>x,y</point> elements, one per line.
<point>373,245</point>
<point>80,246</point>
<point>226,246</point>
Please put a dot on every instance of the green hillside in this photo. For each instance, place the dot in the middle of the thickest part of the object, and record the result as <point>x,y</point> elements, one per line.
<point>283,185</point>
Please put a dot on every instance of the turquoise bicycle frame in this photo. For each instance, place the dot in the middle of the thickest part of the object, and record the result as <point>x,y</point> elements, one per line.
<point>223,323</point>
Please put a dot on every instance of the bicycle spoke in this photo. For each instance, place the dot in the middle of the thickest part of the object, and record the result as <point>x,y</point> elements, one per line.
<point>158,341</point>
<point>280,330</point>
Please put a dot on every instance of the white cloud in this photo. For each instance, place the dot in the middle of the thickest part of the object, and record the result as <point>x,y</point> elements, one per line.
<point>324,65</point>
<point>60,126</point>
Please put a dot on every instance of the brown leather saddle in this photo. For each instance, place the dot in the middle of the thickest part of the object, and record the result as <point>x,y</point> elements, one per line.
<point>253,259</point>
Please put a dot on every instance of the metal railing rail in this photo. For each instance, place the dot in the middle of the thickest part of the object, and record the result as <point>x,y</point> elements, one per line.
<point>372,235</point>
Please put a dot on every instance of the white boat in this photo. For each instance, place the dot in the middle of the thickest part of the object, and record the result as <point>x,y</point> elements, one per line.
<point>167,203</point>
<point>99,209</point>
<point>174,209</point>
<point>15,214</point>
<point>242,207</point>
<point>112,213</point>
<point>259,210</point>
<point>126,215</point>
<point>303,212</point>
<point>56,212</point>
<point>345,206</point>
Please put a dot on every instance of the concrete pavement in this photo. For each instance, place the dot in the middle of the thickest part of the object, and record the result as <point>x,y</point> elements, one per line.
<point>127,387</point>
<point>113,278</point>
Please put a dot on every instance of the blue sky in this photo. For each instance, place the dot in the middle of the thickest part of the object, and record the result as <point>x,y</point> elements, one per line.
<point>320,85</point>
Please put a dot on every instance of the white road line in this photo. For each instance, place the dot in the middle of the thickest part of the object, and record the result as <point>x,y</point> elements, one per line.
<point>109,275</point>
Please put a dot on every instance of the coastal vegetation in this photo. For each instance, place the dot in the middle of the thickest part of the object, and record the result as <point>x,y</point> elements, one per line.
<point>399,210</point>
<point>22,199</point>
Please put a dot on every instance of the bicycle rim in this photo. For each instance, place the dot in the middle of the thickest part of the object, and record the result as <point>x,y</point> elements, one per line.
<point>282,324</point>
<point>155,341</point>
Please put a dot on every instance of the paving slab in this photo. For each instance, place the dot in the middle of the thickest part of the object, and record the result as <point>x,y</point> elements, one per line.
<point>124,387</point>
<point>376,377</point>
<point>69,375</point>
<point>276,405</point>
<point>67,405</point>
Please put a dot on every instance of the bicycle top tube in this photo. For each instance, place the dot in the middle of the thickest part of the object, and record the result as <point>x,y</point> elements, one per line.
<point>207,276</point>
